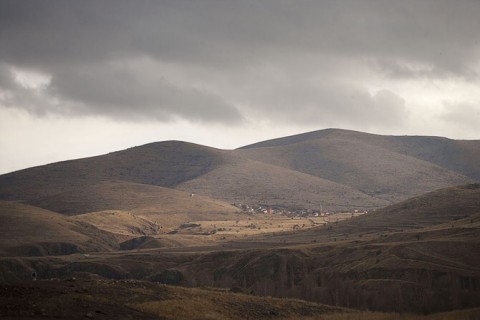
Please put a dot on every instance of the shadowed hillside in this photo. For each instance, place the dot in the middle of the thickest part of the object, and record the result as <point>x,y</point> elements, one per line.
<point>144,300</point>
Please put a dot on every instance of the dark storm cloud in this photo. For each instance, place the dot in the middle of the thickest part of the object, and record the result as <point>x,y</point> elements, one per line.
<point>75,43</point>
<point>122,92</point>
<point>437,32</point>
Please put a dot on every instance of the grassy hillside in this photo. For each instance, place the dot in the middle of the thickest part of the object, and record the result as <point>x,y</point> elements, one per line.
<point>254,182</point>
<point>390,168</point>
<point>162,164</point>
<point>418,256</point>
<point>428,270</point>
<point>100,217</point>
<point>425,269</point>
<point>27,230</point>
<point>127,196</point>
<point>460,156</point>
<point>337,169</point>
<point>445,207</point>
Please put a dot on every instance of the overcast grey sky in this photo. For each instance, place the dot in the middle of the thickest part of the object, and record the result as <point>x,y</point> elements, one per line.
<point>80,78</point>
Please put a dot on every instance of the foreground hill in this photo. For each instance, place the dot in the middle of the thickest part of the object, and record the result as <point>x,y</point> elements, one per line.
<point>128,196</point>
<point>143,300</point>
<point>27,230</point>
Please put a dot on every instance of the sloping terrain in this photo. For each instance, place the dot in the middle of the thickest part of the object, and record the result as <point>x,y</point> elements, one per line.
<point>100,299</point>
<point>127,196</point>
<point>420,255</point>
<point>143,300</point>
<point>27,230</point>
<point>254,182</point>
<point>390,168</point>
<point>335,169</point>
<point>443,207</point>
<point>427,270</point>
<point>93,222</point>
<point>460,156</point>
<point>161,164</point>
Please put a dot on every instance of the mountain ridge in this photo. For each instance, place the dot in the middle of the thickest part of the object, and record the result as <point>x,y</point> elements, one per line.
<point>376,170</point>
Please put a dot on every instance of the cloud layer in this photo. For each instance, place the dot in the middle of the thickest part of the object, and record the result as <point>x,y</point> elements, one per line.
<point>331,63</point>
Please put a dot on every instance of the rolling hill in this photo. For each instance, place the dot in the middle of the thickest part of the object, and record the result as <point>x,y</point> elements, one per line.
<point>420,255</point>
<point>460,156</point>
<point>385,167</point>
<point>161,164</point>
<point>129,196</point>
<point>31,231</point>
<point>415,250</point>
<point>445,208</point>
<point>254,183</point>
<point>334,169</point>
<point>360,263</point>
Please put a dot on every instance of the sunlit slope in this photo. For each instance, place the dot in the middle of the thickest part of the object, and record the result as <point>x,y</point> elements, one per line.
<point>27,230</point>
<point>127,196</point>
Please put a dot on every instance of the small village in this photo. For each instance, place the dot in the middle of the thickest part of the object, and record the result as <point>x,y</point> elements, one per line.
<point>290,212</point>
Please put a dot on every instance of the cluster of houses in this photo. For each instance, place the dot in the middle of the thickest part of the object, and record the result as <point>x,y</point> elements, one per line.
<point>261,209</point>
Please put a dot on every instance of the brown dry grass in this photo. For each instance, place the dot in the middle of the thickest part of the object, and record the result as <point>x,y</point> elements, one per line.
<point>254,182</point>
<point>385,167</point>
<point>24,226</point>
<point>128,196</point>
